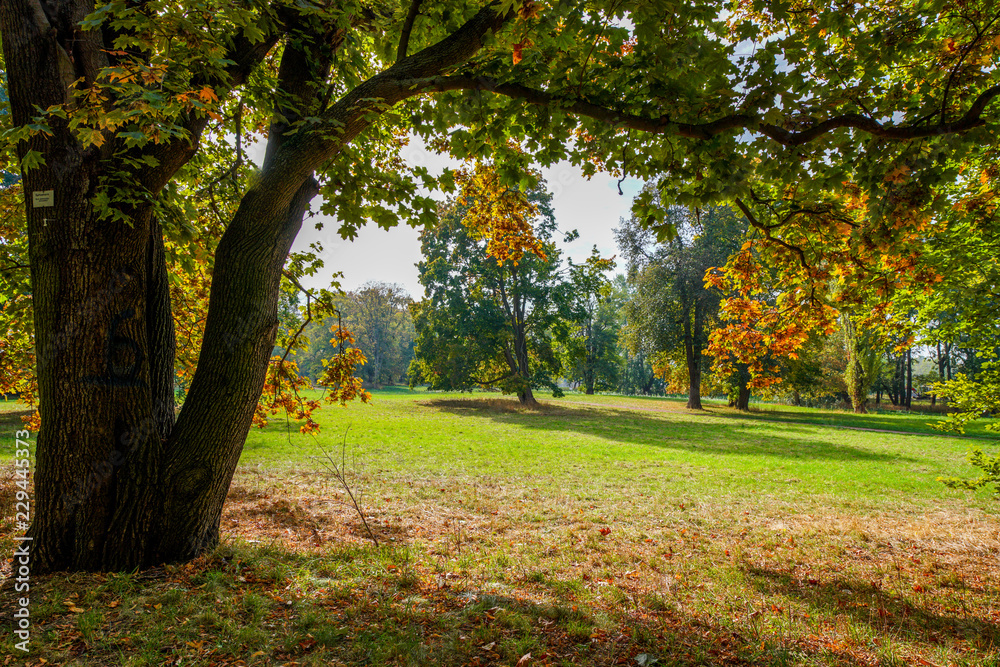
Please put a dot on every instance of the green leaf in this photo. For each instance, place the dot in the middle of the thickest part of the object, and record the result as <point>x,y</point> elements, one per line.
<point>31,160</point>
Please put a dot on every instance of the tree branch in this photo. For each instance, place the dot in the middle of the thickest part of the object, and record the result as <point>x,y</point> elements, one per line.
<point>752,219</point>
<point>704,131</point>
<point>404,34</point>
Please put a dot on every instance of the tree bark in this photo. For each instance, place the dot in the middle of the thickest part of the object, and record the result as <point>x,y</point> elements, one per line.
<point>743,399</point>
<point>527,397</point>
<point>854,374</point>
<point>103,331</point>
<point>895,393</point>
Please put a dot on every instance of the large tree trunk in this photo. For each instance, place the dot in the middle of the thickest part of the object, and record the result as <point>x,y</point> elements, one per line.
<point>527,397</point>
<point>743,398</point>
<point>206,444</point>
<point>103,330</point>
<point>104,338</point>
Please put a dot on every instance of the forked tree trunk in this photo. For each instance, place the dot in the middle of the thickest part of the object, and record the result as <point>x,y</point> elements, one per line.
<point>118,485</point>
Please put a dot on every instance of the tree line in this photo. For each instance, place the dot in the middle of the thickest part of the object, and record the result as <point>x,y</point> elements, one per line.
<point>664,325</point>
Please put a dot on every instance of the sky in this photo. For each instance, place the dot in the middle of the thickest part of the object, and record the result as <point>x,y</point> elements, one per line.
<point>593,207</point>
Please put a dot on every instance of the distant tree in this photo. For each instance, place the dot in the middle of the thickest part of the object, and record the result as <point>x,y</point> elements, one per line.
<point>490,321</point>
<point>635,374</point>
<point>591,351</point>
<point>672,310</point>
<point>378,314</point>
<point>318,348</point>
<point>864,362</point>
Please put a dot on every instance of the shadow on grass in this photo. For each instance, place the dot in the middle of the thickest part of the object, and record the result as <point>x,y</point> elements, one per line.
<point>885,611</point>
<point>644,428</point>
<point>364,606</point>
<point>907,425</point>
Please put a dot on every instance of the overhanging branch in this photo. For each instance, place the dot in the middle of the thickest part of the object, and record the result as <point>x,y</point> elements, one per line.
<point>664,125</point>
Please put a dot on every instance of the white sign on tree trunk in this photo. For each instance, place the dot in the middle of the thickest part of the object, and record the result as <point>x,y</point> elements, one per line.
<point>43,198</point>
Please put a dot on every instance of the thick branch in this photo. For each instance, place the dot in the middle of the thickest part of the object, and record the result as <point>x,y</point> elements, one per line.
<point>664,125</point>
<point>299,157</point>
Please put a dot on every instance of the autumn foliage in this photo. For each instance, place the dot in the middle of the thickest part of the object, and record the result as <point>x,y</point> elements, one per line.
<point>501,215</point>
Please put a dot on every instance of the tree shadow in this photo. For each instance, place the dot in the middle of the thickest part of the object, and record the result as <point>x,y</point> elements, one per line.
<point>874,422</point>
<point>658,429</point>
<point>391,616</point>
<point>885,611</point>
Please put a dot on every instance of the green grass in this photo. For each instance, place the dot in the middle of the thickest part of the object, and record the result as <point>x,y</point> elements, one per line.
<point>658,449</point>
<point>587,532</point>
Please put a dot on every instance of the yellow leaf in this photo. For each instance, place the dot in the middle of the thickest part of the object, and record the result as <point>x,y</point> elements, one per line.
<point>76,610</point>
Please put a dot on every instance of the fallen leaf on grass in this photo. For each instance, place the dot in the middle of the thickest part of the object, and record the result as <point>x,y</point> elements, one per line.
<point>524,660</point>
<point>75,609</point>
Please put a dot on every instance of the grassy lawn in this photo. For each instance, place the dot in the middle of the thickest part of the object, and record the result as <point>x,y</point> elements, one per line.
<point>596,530</point>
